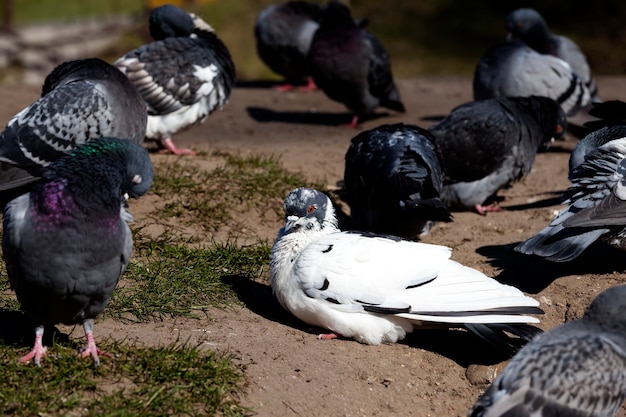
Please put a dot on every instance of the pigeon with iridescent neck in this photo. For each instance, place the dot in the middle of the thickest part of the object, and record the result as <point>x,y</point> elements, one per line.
<point>66,242</point>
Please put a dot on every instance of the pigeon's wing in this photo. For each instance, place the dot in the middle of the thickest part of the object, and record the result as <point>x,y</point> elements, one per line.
<point>355,272</point>
<point>559,377</point>
<point>13,221</point>
<point>379,75</point>
<point>593,182</point>
<point>176,72</point>
<point>68,116</point>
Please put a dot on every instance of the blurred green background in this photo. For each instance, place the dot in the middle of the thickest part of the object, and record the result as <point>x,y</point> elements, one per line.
<point>423,37</point>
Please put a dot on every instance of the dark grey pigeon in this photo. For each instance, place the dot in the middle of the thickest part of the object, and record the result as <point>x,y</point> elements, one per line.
<point>577,369</point>
<point>80,100</point>
<point>592,141</point>
<point>283,34</point>
<point>350,64</point>
<point>66,242</point>
<point>595,211</point>
<point>183,76</point>
<point>530,27</point>
<point>393,178</point>
<point>486,145</point>
<point>513,69</point>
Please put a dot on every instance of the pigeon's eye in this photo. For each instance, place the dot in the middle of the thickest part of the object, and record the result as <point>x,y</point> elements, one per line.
<point>311,209</point>
<point>137,179</point>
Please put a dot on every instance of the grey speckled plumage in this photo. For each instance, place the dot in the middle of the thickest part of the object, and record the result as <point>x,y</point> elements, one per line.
<point>513,69</point>
<point>183,76</point>
<point>283,34</point>
<point>350,64</point>
<point>577,369</point>
<point>592,141</point>
<point>66,242</point>
<point>80,100</point>
<point>486,145</point>
<point>377,288</point>
<point>595,208</point>
<point>393,178</point>
<point>531,28</point>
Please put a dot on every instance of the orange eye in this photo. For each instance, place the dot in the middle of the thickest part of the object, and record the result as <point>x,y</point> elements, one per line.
<point>311,209</point>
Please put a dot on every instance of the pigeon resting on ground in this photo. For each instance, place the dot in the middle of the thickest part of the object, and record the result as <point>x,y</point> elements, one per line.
<point>66,242</point>
<point>592,141</point>
<point>576,369</point>
<point>393,179</point>
<point>283,34</point>
<point>80,100</point>
<point>513,69</point>
<point>184,75</point>
<point>529,26</point>
<point>376,288</point>
<point>486,145</point>
<point>595,211</point>
<point>350,64</point>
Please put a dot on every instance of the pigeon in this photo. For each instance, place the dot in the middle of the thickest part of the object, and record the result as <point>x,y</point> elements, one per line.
<point>66,242</point>
<point>80,100</point>
<point>350,65</point>
<point>183,76</point>
<point>283,34</point>
<point>595,208</point>
<point>575,369</point>
<point>513,69</point>
<point>376,288</point>
<point>530,27</point>
<point>393,178</point>
<point>488,144</point>
<point>592,141</point>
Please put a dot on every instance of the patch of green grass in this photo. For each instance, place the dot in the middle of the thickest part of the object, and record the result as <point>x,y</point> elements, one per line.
<point>208,197</point>
<point>172,380</point>
<point>167,280</point>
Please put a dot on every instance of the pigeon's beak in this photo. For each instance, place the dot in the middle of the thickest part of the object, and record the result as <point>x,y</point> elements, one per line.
<point>292,223</point>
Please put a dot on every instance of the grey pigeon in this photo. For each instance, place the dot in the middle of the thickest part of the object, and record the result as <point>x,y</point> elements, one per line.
<point>513,69</point>
<point>595,208</point>
<point>283,34</point>
<point>393,178</point>
<point>350,64</point>
<point>592,141</point>
<point>531,28</point>
<point>577,369</point>
<point>80,100</point>
<point>486,145</point>
<point>183,76</point>
<point>377,288</point>
<point>66,242</point>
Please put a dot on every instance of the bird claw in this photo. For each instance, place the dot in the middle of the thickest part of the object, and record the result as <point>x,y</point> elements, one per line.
<point>491,208</point>
<point>35,355</point>
<point>169,147</point>
<point>327,336</point>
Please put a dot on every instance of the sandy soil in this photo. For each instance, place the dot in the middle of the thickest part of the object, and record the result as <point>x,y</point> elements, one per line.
<point>433,373</point>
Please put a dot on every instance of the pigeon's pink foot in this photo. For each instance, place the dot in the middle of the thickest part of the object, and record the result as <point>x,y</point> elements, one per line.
<point>309,87</point>
<point>327,336</point>
<point>92,350</point>
<point>284,87</point>
<point>38,351</point>
<point>353,124</point>
<point>169,147</point>
<point>483,210</point>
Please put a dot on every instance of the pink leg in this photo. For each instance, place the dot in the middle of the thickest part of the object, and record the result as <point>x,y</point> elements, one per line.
<point>284,87</point>
<point>91,349</point>
<point>39,350</point>
<point>310,86</point>
<point>354,123</point>
<point>327,336</point>
<point>169,146</point>
<point>483,210</point>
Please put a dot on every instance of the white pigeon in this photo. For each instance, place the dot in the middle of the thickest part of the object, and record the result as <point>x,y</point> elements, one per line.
<point>376,288</point>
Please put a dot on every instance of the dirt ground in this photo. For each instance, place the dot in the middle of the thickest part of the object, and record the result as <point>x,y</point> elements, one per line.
<point>290,372</point>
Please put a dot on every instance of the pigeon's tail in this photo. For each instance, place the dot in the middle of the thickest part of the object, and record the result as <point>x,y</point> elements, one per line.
<point>12,177</point>
<point>560,244</point>
<point>507,337</point>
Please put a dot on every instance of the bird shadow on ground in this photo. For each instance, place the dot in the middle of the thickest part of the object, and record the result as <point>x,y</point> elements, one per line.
<point>257,297</point>
<point>433,118</point>
<point>263,115</point>
<point>532,274</point>
<point>546,202</point>
<point>18,331</point>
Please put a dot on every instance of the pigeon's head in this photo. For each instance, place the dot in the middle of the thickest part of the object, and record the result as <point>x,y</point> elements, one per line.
<point>526,24</point>
<point>608,310</point>
<point>79,69</point>
<point>307,209</point>
<point>169,21</point>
